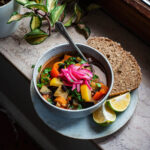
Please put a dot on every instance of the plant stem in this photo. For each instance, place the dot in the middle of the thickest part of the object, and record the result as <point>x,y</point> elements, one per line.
<point>45,15</point>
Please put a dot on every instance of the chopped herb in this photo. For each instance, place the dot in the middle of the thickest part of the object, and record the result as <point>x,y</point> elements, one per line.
<point>47,70</point>
<point>39,69</point>
<point>98,85</point>
<point>61,65</point>
<point>71,107</point>
<point>39,85</point>
<point>50,100</point>
<point>95,77</point>
<point>79,107</point>
<point>70,61</point>
<point>45,80</point>
<point>72,80</point>
<point>76,95</point>
<point>83,61</point>
<point>32,66</point>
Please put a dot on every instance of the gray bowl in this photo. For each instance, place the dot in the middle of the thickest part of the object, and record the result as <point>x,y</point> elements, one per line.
<point>89,51</point>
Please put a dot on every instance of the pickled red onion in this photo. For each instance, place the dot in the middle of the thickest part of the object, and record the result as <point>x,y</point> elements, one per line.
<point>75,76</point>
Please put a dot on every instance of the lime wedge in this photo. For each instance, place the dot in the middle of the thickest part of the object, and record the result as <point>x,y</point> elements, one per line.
<point>104,115</point>
<point>119,103</point>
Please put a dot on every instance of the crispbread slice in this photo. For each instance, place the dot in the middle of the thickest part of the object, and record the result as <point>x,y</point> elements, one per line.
<point>127,73</point>
<point>112,50</point>
<point>127,77</point>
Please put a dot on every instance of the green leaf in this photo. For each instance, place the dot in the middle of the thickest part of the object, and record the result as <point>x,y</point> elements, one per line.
<point>70,21</point>
<point>56,13</point>
<point>47,70</point>
<point>78,12</point>
<point>35,22</point>
<point>62,16</point>
<point>79,106</point>
<point>33,4</point>
<point>38,1</point>
<point>95,77</point>
<point>16,16</point>
<point>36,36</point>
<point>39,69</point>
<point>32,66</point>
<point>50,4</point>
<point>93,6</point>
<point>50,100</point>
<point>22,2</point>
<point>83,29</point>
<point>39,85</point>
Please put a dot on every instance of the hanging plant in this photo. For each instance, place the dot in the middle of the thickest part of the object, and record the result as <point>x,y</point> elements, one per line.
<point>51,11</point>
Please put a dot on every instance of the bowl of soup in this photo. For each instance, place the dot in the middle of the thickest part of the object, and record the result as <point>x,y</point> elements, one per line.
<point>69,86</point>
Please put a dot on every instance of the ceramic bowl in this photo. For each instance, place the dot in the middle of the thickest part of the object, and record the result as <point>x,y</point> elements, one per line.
<point>89,51</point>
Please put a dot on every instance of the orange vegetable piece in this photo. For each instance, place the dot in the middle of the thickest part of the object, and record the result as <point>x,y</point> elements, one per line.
<point>66,57</point>
<point>77,64</point>
<point>69,98</point>
<point>62,101</point>
<point>46,96</point>
<point>101,92</point>
<point>55,72</point>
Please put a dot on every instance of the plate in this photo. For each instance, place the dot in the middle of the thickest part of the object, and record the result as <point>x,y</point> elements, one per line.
<point>81,128</point>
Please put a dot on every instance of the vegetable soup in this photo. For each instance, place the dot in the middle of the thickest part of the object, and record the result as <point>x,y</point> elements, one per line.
<point>69,82</point>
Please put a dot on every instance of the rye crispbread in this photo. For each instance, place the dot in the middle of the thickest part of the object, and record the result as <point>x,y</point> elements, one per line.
<point>127,73</point>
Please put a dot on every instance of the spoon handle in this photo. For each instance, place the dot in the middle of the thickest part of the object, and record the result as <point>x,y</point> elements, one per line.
<point>60,27</point>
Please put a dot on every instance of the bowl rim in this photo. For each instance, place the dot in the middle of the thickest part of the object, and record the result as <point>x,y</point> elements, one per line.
<point>68,110</point>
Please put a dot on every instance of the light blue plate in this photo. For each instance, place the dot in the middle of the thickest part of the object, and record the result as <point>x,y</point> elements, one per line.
<point>81,128</point>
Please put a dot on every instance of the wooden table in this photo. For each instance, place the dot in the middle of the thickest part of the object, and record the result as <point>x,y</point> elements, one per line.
<point>135,134</point>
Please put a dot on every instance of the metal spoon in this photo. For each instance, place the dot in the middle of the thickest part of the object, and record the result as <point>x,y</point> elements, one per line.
<point>60,27</point>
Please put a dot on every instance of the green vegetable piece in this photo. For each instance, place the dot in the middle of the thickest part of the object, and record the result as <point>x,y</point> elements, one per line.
<point>16,16</point>
<point>95,77</point>
<point>50,4</point>
<point>83,61</point>
<point>76,95</point>
<point>32,66</point>
<point>22,2</point>
<point>98,85</point>
<point>39,69</point>
<point>35,22</point>
<point>70,21</point>
<point>79,106</point>
<point>50,100</point>
<point>36,36</point>
<point>93,6</point>
<point>56,13</point>
<point>82,28</point>
<point>78,13</point>
<point>33,4</point>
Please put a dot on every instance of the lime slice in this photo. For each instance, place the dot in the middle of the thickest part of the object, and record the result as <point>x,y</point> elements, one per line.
<point>119,103</point>
<point>104,115</point>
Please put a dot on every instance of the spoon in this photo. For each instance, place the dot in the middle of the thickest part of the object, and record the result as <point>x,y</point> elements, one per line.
<point>62,30</point>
